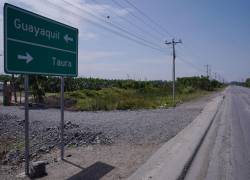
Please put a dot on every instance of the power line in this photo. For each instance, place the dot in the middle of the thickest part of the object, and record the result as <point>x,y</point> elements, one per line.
<point>149,18</point>
<point>190,64</point>
<point>192,54</point>
<point>108,29</point>
<point>151,35</point>
<point>138,17</point>
<point>128,37</point>
<point>153,21</point>
<point>118,27</point>
<point>120,34</point>
<point>195,66</point>
<point>207,71</point>
<point>163,29</point>
<point>125,31</point>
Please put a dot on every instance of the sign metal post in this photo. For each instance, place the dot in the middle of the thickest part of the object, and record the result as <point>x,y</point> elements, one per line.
<point>26,89</point>
<point>62,118</point>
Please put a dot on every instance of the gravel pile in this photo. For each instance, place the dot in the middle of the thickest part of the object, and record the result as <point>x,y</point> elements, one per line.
<point>42,138</point>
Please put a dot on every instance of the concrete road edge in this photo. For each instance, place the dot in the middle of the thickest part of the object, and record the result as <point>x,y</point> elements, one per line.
<point>172,159</point>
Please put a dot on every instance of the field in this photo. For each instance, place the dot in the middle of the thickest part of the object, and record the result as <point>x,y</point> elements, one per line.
<point>121,99</point>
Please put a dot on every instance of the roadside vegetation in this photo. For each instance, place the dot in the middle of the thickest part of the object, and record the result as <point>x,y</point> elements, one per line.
<point>242,83</point>
<point>247,83</point>
<point>92,94</point>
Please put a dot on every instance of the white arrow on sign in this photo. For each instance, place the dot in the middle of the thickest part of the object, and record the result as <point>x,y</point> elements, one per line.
<point>27,57</point>
<point>67,38</point>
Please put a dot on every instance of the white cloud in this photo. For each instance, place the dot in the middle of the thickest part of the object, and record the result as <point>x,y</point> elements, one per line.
<point>111,65</point>
<point>87,36</point>
<point>95,56</point>
<point>166,60</point>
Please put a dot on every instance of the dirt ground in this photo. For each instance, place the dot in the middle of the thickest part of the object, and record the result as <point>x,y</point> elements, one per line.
<point>100,162</point>
<point>106,162</point>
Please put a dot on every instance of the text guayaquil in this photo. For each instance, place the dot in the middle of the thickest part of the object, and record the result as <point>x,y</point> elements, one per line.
<point>37,31</point>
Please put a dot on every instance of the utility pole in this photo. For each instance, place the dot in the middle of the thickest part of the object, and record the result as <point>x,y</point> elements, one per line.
<point>210,72</point>
<point>173,43</point>
<point>207,70</point>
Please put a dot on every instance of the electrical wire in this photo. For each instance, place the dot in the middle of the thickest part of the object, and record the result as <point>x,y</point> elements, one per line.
<point>190,64</point>
<point>127,37</point>
<point>118,28</point>
<point>151,35</point>
<point>140,18</point>
<point>149,18</point>
<point>164,30</point>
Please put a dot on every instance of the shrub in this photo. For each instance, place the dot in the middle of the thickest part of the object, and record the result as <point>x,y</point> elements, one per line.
<point>188,90</point>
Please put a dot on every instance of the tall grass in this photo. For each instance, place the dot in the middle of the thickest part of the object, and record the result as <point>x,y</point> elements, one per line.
<point>122,99</point>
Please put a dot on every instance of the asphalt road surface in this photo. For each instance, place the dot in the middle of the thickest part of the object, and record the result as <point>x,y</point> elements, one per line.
<point>225,152</point>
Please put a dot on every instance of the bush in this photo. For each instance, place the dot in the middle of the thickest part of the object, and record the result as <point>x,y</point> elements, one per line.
<point>247,83</point>
<point>188,90</point>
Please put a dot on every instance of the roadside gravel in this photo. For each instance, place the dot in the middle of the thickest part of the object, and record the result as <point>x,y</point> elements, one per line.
<point>128,128</point>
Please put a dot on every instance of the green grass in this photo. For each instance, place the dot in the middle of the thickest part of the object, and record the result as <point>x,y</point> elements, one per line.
<point>51,94</point>
<point>110,99</point>
<point>191,96</point>
<point>122,99</point>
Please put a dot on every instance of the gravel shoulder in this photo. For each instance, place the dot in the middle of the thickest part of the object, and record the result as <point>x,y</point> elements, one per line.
<point>118,142</point>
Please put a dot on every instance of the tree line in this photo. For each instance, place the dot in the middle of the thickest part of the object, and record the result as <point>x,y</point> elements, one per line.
<point>39,85</point>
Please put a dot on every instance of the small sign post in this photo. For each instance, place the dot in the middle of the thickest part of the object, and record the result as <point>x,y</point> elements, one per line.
<point>34,44</point>
<point>62,117</point>
<point>26,89</point>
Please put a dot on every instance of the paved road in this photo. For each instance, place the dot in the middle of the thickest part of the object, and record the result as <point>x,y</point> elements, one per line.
<point>225,152</point>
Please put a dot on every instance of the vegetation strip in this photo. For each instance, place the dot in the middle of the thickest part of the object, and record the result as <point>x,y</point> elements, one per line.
<point>89,94</point>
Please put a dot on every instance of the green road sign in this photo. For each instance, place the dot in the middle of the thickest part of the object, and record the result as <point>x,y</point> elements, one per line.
<point>34,44</point>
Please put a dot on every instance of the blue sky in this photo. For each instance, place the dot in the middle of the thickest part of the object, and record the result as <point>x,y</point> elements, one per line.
<point>213,32</point>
